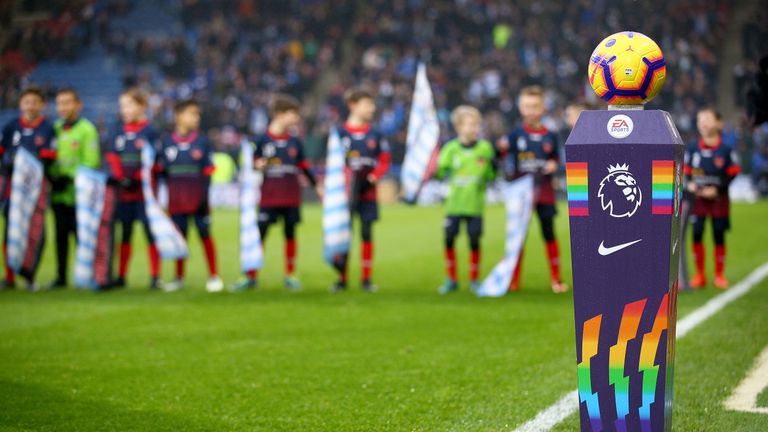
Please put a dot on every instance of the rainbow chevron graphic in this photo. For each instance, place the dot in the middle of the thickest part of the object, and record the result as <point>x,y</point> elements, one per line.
<point>589,344</point>
<point>630,320</point>
<point>662,188</point>
<point>578,188</point>
<point>647,364</point>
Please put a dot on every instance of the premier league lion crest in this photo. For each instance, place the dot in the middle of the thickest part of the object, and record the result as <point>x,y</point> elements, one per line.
<point>619,193</point>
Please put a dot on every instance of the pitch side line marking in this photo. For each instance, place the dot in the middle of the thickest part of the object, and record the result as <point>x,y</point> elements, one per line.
<point>567,405</point>
<point>744,396</point>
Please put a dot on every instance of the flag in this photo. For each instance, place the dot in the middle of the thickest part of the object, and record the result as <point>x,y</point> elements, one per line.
<point>95,203</point>
<point>251,253</point>
<point>26,214</point>
<point>518,200</point>
<point>336,216</point>
<point>422,139</point>
<point>169,241</point>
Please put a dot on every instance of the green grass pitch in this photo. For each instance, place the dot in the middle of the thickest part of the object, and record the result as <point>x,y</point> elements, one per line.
<point>401,359</point>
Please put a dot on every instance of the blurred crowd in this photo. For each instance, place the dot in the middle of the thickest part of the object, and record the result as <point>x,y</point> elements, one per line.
<point>234,54</point>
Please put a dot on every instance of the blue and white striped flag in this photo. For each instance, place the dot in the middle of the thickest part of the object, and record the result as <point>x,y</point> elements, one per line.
<point>518,200</point>
<point>169,241</point>
<point>336,216</point>
<point>251,252</point>
<point>93,228</point>
<point>422,139</point>
<point>26,214</point>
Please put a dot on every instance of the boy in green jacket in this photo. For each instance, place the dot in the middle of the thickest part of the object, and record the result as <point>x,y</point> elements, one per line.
<point>467,163</point>
<point>77,142</point>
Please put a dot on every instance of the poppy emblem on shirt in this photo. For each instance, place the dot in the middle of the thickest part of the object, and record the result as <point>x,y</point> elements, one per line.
<point>39,140</point>
<point>292,152</point>
<point>139,143</point>
<point>75,145</point>
<point>197,154</point>
<point>719,162</point>
<point>481,162</point>
<point>547,146</point>
<point>371,143</point>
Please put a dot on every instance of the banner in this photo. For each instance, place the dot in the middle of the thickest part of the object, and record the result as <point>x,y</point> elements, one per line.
<point>169,241</point>
<point>336,216</point>
<point>518,200</point>
<point>422,139</point>
<point>251,252</point>
<point>26,214</point>
<point>95,204</point>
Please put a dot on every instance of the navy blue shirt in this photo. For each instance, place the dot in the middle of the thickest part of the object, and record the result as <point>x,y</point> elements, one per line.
<point>187,162</point>
<point>529,151</point>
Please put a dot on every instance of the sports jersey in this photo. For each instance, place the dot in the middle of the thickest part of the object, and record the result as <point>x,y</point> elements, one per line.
<point>367,152</point>
<point>188,164</point>
<point>529,151</point>
<point>711,166</point>
<point>77,144</point>
<point>469,168</point>
<point>36,137</point>
<point>285,162</point>
<point>124,156</point>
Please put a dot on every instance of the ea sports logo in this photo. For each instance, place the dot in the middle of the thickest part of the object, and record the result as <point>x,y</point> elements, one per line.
<point>620,126</point>
<point>619,193</point>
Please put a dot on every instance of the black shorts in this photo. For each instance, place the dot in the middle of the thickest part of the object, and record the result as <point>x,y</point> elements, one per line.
<point>367,210</point>
<point>546,211</point>
<point>718,223</point>
<point>270,215</point>
<point>131,211</point>
<point>453,224</point>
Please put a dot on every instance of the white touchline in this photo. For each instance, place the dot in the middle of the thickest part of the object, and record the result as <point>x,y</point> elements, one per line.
<point>744,396</point>
<point>569,404</point>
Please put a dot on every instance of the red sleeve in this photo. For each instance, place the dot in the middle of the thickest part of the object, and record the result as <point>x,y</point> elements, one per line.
<point>47,154</point>
<point>113,159</point>
<point>733,170</point>
<point>209,170</point>
<point>384,160</point>
<point>687,170</point>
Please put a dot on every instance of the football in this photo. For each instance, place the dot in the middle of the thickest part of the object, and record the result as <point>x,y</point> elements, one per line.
<point>627,68</point>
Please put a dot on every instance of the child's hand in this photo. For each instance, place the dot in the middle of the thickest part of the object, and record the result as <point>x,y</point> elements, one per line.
<point>260,164</point>
<point>372,179</point>
<point>319,190</point>
<point>550,167</point>
<point>692,187</point>
<point>709,192</point>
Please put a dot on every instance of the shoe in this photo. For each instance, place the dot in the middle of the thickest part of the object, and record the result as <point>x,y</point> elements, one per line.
<point>117,283</point>
<point>721,282</point>
<point>474,286</point>
<point>369,286</point>
<point>244,284</point>
<point>33,286</point>
<point>292,283</point>
<point>448,287</point>
<point>214,284</point>
<point>559,287</point>
<point>56,285</point>
<point>5,285</point>
<point>338,287</point>
<point>698,281</point>
<point>156,284</point>
<point>173,285</point>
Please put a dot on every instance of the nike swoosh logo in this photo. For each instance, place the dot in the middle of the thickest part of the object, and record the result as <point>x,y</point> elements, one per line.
<point>605,251</point>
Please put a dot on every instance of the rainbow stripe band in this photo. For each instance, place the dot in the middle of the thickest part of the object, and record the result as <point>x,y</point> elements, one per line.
<point>630,321</point>
<point>589,347</point>
<point>663,189</point>
<point>577,182</point>
<point>647,364</point>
